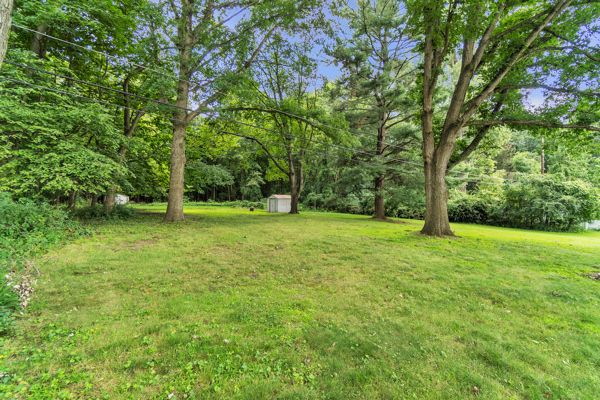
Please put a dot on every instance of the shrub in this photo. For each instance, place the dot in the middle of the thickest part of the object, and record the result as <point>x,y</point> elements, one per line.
<point>27,228</point>
<point>473,208</point>
<point>9,303</point>
<point>406,202</point>
<point>360,202</point>
<point>548,202</point>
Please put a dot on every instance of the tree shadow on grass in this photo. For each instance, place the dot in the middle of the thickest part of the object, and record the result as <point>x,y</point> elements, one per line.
<point>245,217</point>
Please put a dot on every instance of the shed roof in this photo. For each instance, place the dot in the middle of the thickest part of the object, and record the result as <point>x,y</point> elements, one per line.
<point>280,196</point>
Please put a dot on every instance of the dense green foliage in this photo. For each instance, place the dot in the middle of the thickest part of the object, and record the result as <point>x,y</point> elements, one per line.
<point>27,228</point>
<point>549,202</point>
<point>544,202</point>
<point>79,125</point>
<point>505,185</point>
<point>470,111</point>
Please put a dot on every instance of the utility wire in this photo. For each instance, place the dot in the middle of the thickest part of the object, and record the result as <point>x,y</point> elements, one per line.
<point>314,151</point>
<point>106,103</point>
<point>97,101</point>
<point>120,59</point>
<point>96,85</point>
<point>105,54</point>
<point>173,75</point>
<point>161,72</point>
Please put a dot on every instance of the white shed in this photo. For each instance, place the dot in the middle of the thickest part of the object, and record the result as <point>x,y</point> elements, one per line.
<point>121,199</point>
<point>279,203</point>
<point>592,225</point>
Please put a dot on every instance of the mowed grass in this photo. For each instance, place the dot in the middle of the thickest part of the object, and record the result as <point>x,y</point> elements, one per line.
<point>232,304</point>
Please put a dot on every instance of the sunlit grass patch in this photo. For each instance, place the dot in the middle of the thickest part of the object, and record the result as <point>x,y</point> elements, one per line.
<point>240,304</point>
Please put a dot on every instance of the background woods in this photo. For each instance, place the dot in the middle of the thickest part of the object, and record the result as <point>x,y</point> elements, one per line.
<point>434,110</point>
<point>117,116</point>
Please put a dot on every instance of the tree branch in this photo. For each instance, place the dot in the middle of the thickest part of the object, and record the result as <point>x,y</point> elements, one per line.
<point>552,89</point>
<point>263,146</point>
<point>472,105</point>
<point>278,112</point>
<point>543,124</point>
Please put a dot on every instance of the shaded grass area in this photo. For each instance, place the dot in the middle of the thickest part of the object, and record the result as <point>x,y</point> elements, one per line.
<point>250,305</point>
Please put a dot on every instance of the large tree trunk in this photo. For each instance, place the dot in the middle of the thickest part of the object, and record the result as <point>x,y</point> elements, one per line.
<point>5,11</point>
<point>181,122</point>
<point>294,204</point>
<point>379,200</point>
<point>434,162</point>
<point>437,222</point>
<point>380,178</point>
<point>294,193</point>
<point>176,180</point>
<point>110,199</point>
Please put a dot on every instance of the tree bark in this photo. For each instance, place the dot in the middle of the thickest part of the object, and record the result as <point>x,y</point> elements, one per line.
<point>293,185</point>
<point>176,180</point>
<point>37,42</point>
<point>110,199</point>
<point>181,120</point>
<point>380,178</point>
<point>436,209</point>
<point>437,222</point>
<point>5,11</point>
<point>294,203</point>
<point>379,200</point>
<point>72,200</point>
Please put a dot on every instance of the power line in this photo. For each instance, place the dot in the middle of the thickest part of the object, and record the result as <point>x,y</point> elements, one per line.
<point>105,54</point>
<point>97,101</point>
<point>314,151</point>
<point>84,82</point>
<point>97,85</point>
<point>130,63</point>
<point>161,72</point>
<point>317,123</point>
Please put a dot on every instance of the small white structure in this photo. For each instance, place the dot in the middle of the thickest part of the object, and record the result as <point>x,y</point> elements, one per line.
<point>121,199</point>
<point>281,203</point>
<point>592,225</point>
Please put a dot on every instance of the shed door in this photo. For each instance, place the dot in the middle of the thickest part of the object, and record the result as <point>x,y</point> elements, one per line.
<point>272,205</point>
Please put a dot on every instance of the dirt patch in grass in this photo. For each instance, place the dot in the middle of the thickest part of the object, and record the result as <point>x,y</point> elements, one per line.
<point>140,244</point>
<point>392,221</point>
<point>594,275</point>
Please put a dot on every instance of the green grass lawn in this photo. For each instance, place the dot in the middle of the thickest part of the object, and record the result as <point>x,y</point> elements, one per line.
<point>232,304</point>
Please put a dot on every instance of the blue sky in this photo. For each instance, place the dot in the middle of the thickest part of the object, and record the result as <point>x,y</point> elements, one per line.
<point>329,71</point>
